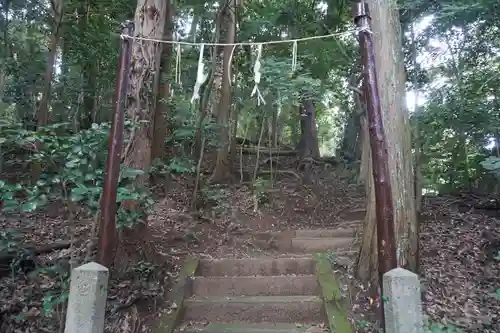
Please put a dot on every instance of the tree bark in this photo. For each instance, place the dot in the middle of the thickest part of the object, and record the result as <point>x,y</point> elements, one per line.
<point>43,110</point>
<point>350,142</point>
<point>234,130</point>
<point>391,80</point>
<point>206,92</point>
<point>416,136</point>
<point>367,269</point>
<point>308,145</point>
<point>89,70</point>
<point>163,90</point>
<point>222,166</point>
<point>7,51</point>
<point>149,23</point>
<point>274,128</point>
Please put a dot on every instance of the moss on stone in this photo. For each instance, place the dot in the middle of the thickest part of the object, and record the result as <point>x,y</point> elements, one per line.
<point>179,293</point>
<point>336,311</point>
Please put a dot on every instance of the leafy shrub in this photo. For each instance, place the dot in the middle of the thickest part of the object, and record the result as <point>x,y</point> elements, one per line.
<point>72,166</point>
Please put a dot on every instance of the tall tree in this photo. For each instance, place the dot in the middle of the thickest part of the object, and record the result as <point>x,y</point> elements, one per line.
<point>149,24</point>
<point>222,166</point>
<point>56,7</point>
<point>308,145</point>
<point>163,87</point>
<point>391,81</point>
<point>89,70</point>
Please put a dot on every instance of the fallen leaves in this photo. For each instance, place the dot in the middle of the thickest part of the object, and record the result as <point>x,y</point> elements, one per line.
<point>460,281</point>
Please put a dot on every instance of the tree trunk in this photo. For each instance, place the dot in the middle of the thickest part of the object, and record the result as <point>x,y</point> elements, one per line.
<point>149,23</point>
<point>162,101</point>
<point>391,82</point>
<point>282,117</point>
<point>416,133</point>
<point>89,71</point>
<point>274,128</point>
<point>43,109</point>
<point>7,51</point>
<point>222,166</point>
<point>308,145</point>
<point>233,150</point>
<point>465,159</point>
<point>206,93</point>
<point>351,141</point>
<point>368,260</point>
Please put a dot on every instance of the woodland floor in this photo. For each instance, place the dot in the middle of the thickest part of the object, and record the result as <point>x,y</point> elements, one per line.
<point>460,272</point>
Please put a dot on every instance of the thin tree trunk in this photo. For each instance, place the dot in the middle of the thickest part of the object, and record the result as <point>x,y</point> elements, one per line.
<point>7,52</point>
<point>164,88</point>
<point>233,150</point>
<point>222,166</point>
<point>206,89</point>
<point>308,145</point>
<point>274,128</point>
<point>43,110</point>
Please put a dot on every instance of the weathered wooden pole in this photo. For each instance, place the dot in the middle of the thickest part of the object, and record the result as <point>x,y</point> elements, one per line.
<point>107,217</point>
<point>384,209</point>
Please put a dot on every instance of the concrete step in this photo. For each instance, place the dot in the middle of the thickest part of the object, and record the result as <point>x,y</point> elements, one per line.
<point>248,328</point>
<point>320,244</point>
<point>353,214</point>
<point>261,266</point>
<point>317,233</point>
<point>284,285</point>
<point>255,309</point>
<point>353,223</point>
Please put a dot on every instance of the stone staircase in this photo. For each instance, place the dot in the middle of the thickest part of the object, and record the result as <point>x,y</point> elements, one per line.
<point>264,290</point>
<point>282,294</point>
<point>339,240</point>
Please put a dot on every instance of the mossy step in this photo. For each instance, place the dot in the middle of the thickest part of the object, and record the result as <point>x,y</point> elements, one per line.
<point>335,307</point>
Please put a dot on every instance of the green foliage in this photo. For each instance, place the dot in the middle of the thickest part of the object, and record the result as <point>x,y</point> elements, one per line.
<point>142,268</point>
<point>181,165</point>
<point>57,296</point>
<point>461,115</point>
<point>9,241</point>
<point>72,171</point>
<point>366,325</point>
<point>260,189</point>
<point>217,197</point>
<point>440,328</point>
<point>428,327</point>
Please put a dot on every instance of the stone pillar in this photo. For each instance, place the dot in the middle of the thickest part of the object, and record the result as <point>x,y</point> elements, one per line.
<point>402,306</point>
<point>87,299</point>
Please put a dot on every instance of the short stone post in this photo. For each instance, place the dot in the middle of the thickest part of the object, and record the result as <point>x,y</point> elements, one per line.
<point>87,299</point>
<point>402,306</point>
